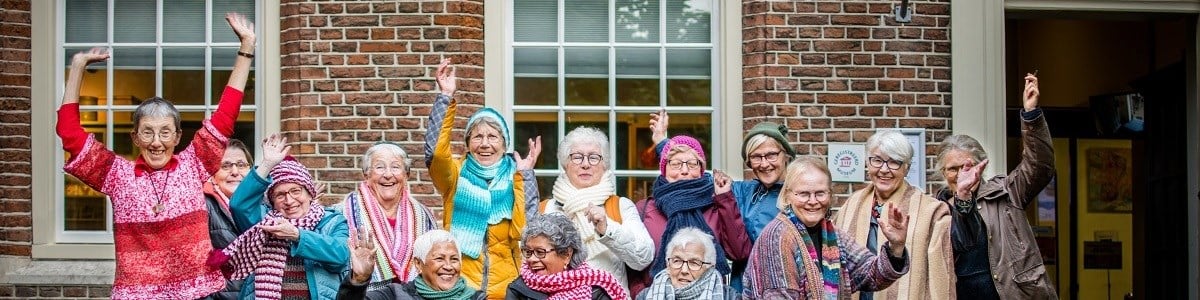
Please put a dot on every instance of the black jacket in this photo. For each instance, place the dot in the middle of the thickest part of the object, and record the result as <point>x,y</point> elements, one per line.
<point>222,232</point>
<point>517,290</point>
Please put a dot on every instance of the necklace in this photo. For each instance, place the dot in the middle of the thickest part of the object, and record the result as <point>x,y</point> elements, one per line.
<point>158,192</point>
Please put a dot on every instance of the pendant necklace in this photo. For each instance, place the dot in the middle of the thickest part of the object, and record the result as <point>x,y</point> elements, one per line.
<point>158,206</point>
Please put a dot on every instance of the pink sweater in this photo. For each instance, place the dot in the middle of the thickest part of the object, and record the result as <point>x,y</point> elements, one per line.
<point>159,254</point>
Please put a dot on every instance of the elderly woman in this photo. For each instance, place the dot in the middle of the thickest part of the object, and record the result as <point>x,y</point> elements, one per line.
<point>931,273</point>
<point>689,274</point>
<point>801,255</point>
<point>554,266</point>
<point>290,247</point>
<point>486,194</point>
<point>382,207</point>
<point>767,152</point>
<point>610,226</point>
<point>435,254</point>
<point>684,196</point>
<point>217,190</point>
<point>157,204</point>
<point>994,248</point>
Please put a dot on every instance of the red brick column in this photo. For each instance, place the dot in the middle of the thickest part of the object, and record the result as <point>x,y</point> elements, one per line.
<point>16,174</point>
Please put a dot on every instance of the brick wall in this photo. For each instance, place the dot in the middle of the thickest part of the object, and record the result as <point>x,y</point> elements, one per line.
<point>833,71</point>
<point>354,73</point>
<point>15,167</point>
<point>54,291</point>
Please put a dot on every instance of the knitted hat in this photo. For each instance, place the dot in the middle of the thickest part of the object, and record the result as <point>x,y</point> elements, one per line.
<point>290,171</point>
<point>488,112</point>
<point>680,140</point>
<point>772,130</point>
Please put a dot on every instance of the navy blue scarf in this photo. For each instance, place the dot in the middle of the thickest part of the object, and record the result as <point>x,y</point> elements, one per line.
<point>684,202</point>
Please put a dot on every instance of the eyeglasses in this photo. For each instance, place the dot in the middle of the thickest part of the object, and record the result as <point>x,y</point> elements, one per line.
<point>693,265</point>
<point>952,170</point>
<point>147,136</point>
<point>772,156</point>
<point>807,195</point>
<point>294,192</point>
<point>678,164</point>
<point>879,162</point>
<point>592,159</point>
<point>539,253</point>
<point>241,165</point>
<point>384,169</point>
<point>491,138</point>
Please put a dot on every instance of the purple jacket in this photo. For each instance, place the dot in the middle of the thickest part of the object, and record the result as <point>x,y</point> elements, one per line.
<point>724,219</point>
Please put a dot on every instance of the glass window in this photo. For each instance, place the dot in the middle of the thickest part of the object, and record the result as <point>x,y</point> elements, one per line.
<point>182,52</point>
<point>609,64</point>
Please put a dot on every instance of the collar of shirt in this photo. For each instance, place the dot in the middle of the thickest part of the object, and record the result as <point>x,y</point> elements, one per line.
<point>140,167</point>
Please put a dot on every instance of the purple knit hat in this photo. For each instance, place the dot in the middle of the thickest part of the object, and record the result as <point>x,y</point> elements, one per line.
<point>680,140</point>
<point>290,171</point>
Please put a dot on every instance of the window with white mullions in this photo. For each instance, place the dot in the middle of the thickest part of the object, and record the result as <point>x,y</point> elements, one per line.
<point>609,64</point>
<point>180,50</point>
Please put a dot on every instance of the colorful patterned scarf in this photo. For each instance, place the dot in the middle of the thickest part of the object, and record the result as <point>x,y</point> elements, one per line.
<point>573,283</point>
<point>484,195</point>
<point>822,282</point>
<point>256,252</point>
<point>393,245</point>
<point>710,286</point>
<point>683,203</point>
<point>460,290</point>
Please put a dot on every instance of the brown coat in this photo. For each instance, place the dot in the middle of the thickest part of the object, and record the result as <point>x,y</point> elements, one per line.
<point>1016,262</point>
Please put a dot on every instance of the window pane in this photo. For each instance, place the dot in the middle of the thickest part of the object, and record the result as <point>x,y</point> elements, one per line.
<point>689,21</point>
<point>133,79</point>
<point>221,33</point>
<point>587,76</point>
<point>134,21</point>
<point>689,82</point>
<point>87,21</point>
<point>538,21</point>
<point>697,125</point>
<point>222,67</point>
<point>635,188</point>
<point>586,21</point>
<point>183,21</point>
<point>528,125</point>
<point>536,76</point>
<point>183,75</point>
<point>635,151</point>
<point>637,76</point>
<point>594,120</point>
<point>85,208</point>
<point>637,21</point>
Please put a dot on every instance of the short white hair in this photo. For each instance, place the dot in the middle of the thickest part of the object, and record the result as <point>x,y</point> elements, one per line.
<point>385,147</point>
<point>893,144</point>
<point>425,242</point>
<point>583,135</point>
<point>694,235</point>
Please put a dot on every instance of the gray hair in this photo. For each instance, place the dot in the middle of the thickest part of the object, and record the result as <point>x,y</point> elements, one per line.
<point>690,235</point>
<point>797,168</point>
<point>893,144</point>
<point>153,108</point>
<point>583,136</point>
<point>385,147</point>
<point>557,228</point>
<point>425,242</point>
<point>958,142</point>
<point>490,122</point>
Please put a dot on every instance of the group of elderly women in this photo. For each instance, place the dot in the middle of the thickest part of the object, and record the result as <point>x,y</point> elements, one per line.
<point>699,235</point>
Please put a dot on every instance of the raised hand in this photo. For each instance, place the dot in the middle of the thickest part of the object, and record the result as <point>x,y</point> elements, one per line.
<point>362,257</point>
<point>1031,92</point>
<point>599,219</point>
<point>658,126</point>
<point>90,56</point>
<point>969,177</point>
<point>242,27</point>
<point>275,148</point>
<point>896,230</point>
<point>446,79</point>
<point>530,160</point>
<point>722,182</point>
<point>282,229</point>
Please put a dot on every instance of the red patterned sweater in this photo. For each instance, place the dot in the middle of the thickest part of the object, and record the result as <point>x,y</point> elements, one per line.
<point>159,254</point>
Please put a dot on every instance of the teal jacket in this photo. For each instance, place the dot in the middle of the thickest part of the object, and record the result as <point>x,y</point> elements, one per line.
<point>324,251</point>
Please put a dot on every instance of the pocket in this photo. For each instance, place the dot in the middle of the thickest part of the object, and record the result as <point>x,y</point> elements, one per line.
<point>1030,275</point>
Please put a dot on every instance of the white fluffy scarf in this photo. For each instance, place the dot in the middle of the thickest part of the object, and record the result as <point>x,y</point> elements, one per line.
<point>574,201</point>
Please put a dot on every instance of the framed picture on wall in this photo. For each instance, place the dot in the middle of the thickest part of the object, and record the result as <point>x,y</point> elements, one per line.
<point>1047,205</point>
<point>1105,169</point>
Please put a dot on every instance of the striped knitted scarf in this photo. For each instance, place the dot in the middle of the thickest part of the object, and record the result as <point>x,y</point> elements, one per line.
<point>822,281</point>
<point>484,195</point>
<point>256,252</point>
<point>683,203</point>
<point>393,245</point>
<point>710,286</point>
<point>573,283</point>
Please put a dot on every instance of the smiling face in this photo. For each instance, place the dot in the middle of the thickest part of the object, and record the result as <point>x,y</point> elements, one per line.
<point>234,165</point>
<point>148,137</point>
<point>581,172</point>
<point>485,143</point>
<point>809,196</point>
<point>440,267</point>
<point>291,199</point>
<point>883,177</point>
<point>768,172</point>
<point>680,263</point>
<point>552,262</point>
<point>386,175</point>
<point>684,165</point>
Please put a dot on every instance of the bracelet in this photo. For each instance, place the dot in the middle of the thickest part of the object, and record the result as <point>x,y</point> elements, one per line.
<point>246,55</point>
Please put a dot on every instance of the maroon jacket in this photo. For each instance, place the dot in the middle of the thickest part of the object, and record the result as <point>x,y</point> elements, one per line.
<point>723,217</point>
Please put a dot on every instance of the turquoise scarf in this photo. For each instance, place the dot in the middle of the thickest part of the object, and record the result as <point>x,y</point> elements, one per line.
<point>458,292</point>
<point>484,195</point>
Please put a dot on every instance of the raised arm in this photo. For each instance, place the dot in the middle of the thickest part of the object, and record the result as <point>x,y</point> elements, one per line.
<point>246,204</point>
<point>525,165</point>
<point>1037,154</point>
<point>438,158</point>
<point>72,134</point>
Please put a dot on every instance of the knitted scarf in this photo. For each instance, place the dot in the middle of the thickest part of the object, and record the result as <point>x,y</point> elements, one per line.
<point>683,203</point>
<point>822,281</point>
<point>256,252</point>
<point>211,188</point>
<point>573,283</point>
<point>459,291</point>
<point>393,245</point>
<point>710,286</point>
<point>484,195</point>
<point>574,201</point>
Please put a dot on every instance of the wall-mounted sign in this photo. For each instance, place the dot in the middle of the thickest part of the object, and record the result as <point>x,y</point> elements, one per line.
<point>846,162</point>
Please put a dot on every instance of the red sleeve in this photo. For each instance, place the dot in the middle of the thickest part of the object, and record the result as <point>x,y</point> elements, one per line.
<point>69,130</point>
<point>227,111</point>
<point>734,239</point>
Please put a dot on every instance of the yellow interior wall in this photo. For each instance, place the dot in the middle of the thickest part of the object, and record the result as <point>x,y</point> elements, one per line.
<point>1093,284</point>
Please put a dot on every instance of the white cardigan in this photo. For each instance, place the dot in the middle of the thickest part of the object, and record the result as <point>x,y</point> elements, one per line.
<point>628,242</point>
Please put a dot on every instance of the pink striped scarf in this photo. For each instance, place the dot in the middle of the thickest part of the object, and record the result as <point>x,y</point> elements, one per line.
<point>256,252</point>
<point>393,245</point>
<point>573,283</point>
